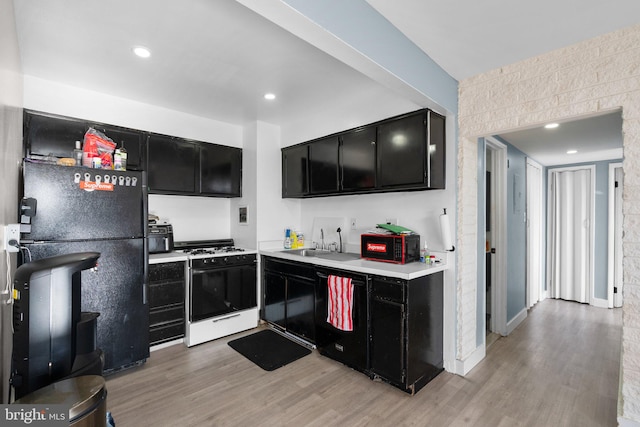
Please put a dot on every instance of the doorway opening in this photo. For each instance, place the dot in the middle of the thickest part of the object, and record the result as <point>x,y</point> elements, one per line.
<point>495,239</point>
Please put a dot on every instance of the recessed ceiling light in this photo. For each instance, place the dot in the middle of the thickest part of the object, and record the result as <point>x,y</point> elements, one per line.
<point>270,96</point>
<point>572,151</point>
<point>551,126</point>
<point>142,51</point>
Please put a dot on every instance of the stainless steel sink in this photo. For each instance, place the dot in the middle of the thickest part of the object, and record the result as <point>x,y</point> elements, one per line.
<point>302,252</point>
<point>318,253</point>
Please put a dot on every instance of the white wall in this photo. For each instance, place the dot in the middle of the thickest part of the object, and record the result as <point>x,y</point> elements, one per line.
<point>52,97</point>
<point>344,114</point>
<point>274,213</point>
<point>193,218</point>
<point>10,153</point>
<point>245,234</point>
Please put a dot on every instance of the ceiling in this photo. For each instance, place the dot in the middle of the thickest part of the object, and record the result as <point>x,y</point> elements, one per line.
<point>216,59</point>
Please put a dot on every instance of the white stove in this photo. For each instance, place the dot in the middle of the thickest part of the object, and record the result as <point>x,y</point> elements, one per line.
<point>221,295</point>
<point>208,248</point>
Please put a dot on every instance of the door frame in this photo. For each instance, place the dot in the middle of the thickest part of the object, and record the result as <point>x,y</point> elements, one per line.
<point>499,236</point>
<point>613,300</point>
<point>538,231</point>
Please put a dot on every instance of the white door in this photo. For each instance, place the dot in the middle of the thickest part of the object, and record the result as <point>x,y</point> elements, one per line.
<point>571,212</point>
<point>534,233</point>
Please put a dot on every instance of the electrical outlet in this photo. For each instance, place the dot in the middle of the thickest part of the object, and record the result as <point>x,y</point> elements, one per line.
<point>354,225</point>
<point>11,237</point>
<point>393,221</point>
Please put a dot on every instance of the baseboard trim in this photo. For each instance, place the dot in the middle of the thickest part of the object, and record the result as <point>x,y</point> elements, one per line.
<point>515,322</point>
<point>600,302</point>
<point>463,367</point>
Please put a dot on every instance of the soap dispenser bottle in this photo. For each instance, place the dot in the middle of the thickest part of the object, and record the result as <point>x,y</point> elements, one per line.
<point>287,239</point>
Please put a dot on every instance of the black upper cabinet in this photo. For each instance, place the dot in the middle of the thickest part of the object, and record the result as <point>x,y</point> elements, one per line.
<point>172,165</point>
<point>358,159</point>
<point>48,135</point>
<point>323,166</point>
<point>193,168</point>
<point>220,170</point>
<point>295,177</point>
<point>52,135</point>
<point>436,151</point>
<point>401,152</point>
<point>131,140</point>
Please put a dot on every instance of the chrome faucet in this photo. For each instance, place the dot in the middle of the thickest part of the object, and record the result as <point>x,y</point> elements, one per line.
<point>322,239</point>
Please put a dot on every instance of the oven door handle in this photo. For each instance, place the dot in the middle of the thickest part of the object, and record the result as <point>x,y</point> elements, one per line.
<point>218,268</point>
<point>208,270</point>
<point>219,319</point>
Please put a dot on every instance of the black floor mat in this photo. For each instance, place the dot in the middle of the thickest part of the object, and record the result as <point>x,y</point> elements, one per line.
<point>268,349</point>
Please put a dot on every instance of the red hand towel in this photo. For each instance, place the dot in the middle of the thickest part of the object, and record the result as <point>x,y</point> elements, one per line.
<point>340,302</point>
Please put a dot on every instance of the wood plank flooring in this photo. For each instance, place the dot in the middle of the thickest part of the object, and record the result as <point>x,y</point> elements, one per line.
<point>559,368</point>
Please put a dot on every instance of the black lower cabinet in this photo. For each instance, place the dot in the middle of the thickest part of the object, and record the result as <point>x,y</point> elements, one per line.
<point>275,286</point>
<point>388,340</point>
<point>397,324</point>
<point>289,297</point>
<point>166,302</point>
<point>406,330</point>
<point>348,347</point>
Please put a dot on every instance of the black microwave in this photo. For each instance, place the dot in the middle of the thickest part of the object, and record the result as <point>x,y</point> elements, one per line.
<point>160,238</point>
<point>396,248</point>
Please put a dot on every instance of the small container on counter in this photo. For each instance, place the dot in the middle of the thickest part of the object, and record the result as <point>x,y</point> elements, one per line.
<point>424,254</point>
<point>287,238</point>
<point>77,153</point>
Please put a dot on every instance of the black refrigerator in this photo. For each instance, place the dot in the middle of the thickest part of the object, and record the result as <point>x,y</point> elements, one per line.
<point>80,209</point>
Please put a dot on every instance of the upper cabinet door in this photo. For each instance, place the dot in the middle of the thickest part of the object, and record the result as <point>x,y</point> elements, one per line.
<point>220,170</point>
<point>358,159</point>
<point>48,135</point>
<point>402,152</point>
<point>131,140</point>
<point>172,165</point>
<point>295,171</point>
<point>436,152</point>
<point>323,165</point>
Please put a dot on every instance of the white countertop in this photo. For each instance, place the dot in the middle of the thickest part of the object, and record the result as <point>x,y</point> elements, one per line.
<point>167,257</point>
<point>408,271</point>
<point>181,256</point>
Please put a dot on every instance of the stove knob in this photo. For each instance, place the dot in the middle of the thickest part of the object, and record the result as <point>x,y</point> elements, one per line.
<point>225,260</point>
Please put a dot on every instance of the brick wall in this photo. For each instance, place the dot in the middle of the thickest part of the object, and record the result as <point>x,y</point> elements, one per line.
<point>593,77</point>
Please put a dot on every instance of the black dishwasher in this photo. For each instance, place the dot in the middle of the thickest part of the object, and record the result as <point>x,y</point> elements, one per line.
<point>348,347</point>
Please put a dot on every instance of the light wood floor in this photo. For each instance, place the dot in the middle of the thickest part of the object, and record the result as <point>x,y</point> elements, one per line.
<point>559,368</point>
